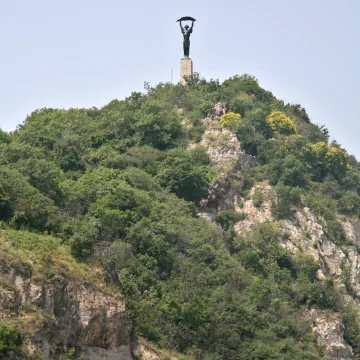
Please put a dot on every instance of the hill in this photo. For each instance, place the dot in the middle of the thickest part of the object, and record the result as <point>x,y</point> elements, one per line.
<point>223,216</point>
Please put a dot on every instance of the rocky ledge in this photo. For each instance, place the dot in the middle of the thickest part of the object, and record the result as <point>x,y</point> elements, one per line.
<point>60,313</point>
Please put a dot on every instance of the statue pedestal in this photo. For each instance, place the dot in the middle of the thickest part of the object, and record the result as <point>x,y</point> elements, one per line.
<point>186,69</point>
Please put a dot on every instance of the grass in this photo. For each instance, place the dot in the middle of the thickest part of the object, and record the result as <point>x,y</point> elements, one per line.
<point>215,124</point>
<point>31,319</point>
<point>42,254</point>
<point>46,257</point>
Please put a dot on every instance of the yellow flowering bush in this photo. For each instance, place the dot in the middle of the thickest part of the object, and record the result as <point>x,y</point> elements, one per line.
<point>336,159</point>
<point>279,123</point>
<point>231,120</point>
<point>319,150</point>
<point>330,158</point>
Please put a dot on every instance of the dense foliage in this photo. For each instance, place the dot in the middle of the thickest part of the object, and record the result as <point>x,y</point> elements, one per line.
<point>11,339</point>
<point>123,175</point>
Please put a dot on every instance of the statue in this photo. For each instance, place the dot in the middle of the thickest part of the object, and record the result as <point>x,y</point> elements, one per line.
<point>186,31</point>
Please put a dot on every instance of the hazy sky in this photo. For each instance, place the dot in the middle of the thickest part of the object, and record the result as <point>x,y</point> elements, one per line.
<point>84,53</point>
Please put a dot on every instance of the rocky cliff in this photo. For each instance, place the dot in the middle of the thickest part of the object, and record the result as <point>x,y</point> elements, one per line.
<point>303,232</point>
<point>58,311</point>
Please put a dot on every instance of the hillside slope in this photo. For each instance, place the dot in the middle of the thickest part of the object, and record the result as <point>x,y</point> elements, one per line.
<point>224,218</point>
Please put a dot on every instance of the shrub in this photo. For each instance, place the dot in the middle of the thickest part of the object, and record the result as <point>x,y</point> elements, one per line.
<point>325,159</point>
<point>285,196</point>
<point>85,233</point>
<point>258,197</point>
<point>4,137</point>
<point>351,320</point>
<point>280,124</point>
<point>231,120</point>
<point>10,338</point>
<point>349,203</point>
<point>205,107</point>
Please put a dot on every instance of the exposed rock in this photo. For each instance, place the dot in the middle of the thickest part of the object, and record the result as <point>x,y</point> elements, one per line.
<point>221,195</point>
<point>224,150</point>
<point>332,257</point>
<point>207,216</point>
<point>320,275</point>
<point>352,230</point>
<point>302,233</point>
<point>60,313</point>
<point>97,353</point>
<point>353,263</point>
<point>329,332</point>
<point>255,215</point>
<point>144,351</point>
<point>219,110</point>
<point>222,146</point>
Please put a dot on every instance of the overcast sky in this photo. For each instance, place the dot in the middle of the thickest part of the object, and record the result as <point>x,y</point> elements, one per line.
<point>84,53</point>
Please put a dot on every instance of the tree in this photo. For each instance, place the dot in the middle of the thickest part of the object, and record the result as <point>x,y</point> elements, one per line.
<point>180,175</point>
<point>157,126</point>
<point>325,159</point>
<point>280,124</point>
<point>231,120</point>
<point>10,339</point>
<point>285,197</point>
<point>26,206</point>
<point>4,137</point>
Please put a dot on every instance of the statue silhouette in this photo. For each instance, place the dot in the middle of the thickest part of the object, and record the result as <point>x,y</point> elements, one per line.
<point>186,31</point>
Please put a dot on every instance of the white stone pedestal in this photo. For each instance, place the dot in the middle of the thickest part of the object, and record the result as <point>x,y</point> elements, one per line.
<point>186,69</point>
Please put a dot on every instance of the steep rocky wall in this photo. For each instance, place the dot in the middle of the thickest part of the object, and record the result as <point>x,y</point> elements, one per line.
<point>224,150</point>
<point>61,313</point>
<point>230,161</point>
<point>329,332</point>
<point>303,233</point>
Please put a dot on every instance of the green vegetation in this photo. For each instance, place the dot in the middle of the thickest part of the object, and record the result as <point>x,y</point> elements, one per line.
<point>231,120</point>
<point>11,339</point>
<point>122,175</point>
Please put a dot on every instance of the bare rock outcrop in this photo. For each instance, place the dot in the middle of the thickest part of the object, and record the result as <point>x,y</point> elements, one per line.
<point>223,148</point>
<point>352,230</point>
<point>255,214</point>
<point>218,110</point>
<point>146,351</point>
<point>230,161</point>
<point>59,313</point>
<point>329,332</point>
<point>303,232</point>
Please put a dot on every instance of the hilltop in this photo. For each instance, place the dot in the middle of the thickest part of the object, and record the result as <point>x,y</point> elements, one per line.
<point>210,221</point>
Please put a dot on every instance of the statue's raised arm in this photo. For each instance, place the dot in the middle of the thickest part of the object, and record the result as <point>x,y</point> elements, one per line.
<point>192,25</point>
<point>181,27</point>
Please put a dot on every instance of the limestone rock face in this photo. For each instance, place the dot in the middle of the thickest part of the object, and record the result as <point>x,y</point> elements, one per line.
<point>329,332</point>
<point>255,214</point>
<point>222,146</point>
<point>219,110</point>
<point>303,232</point>
<point>60,313</point>
<point>224,150</point>
<point>352,230</point>
<point>144,351</point>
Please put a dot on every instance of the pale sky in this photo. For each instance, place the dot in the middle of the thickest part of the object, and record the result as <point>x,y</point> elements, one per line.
<point>84,53</point>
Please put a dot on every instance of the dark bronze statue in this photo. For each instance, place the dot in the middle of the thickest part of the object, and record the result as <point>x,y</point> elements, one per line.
<point>186,31</point>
